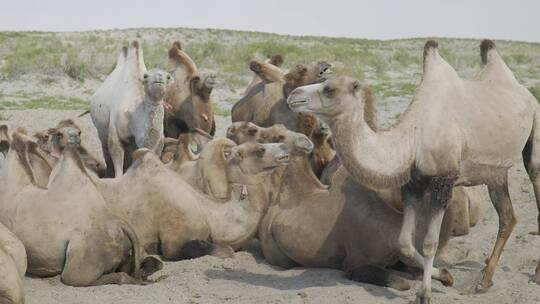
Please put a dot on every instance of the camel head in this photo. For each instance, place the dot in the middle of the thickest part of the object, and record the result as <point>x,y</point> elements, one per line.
<point>222,162</point>
<point>201,86</point>
<point>55,140</point>
<point>303,75</point>
<point>242,132</point>
<point>250,159</point>
<point>331,98</point>
<point>155,83</point>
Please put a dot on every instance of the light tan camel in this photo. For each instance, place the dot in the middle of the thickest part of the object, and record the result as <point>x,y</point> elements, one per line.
<point>69,230</point>
<point>440,142</point>
<point>189,100</point>
<point>276,60</point>
<point>177,220</point>
<point>127,109</point>
<point>12,268</point>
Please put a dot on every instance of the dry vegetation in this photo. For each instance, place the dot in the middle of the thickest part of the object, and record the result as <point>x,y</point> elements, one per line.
<point>33,64</point>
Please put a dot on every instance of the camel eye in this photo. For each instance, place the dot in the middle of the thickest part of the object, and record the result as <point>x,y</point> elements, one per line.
<point>328,91</point>
<point>145,76</point>
<point>168,77</point>
<point>260,151</point>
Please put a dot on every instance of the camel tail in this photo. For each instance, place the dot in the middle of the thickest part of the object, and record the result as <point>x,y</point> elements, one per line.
<point>138,252</point>
<point>198,248</point>
<point>485,47</point>
<point>84,113</point>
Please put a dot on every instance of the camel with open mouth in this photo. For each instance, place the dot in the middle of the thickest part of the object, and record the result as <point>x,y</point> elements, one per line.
<point>449,136</point>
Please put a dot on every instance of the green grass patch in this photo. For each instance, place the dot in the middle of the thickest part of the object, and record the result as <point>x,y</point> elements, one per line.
<point>536,92</point>
<point>46,102</point>
<point>220,110</point>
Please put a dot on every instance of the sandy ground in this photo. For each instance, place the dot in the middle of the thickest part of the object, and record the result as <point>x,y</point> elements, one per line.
<point>247,278</point>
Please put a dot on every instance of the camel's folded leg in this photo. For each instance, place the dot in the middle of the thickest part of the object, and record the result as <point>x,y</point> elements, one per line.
<point>378,276</point>
<point>507,220</point>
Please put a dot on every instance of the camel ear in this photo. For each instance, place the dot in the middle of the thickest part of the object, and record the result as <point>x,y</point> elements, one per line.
<point>276,60</point>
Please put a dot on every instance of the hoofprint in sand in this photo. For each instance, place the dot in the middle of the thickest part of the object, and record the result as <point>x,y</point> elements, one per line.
<point>247,278</point>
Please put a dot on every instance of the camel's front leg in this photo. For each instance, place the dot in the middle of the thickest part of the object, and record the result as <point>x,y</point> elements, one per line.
<point>116,151</point>
<point>412,199</point>
<point>507,220</point>
<point>440,190</point>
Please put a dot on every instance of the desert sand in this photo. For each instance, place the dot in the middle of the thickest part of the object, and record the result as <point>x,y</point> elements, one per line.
<point>247,278</point>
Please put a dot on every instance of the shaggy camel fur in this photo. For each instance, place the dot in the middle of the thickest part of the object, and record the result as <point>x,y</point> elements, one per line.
<point>264,104</point>
<point>12,268</point>
<point>5,139</point>
<point>189,97</point>
<point>127,109</point>
<point>52,141</point>
<point>176,220</point>
<point>69,230</point>
<point>320,134</point>
<point>357,232</point>
<point>437,144</point>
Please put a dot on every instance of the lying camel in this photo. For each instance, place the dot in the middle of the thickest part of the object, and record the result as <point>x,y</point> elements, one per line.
<point>69,230</point>
<point>127,109</point>
<point>189,97</point>
<point>12,268</point>
<point>356,232</point>
<point>437,145</point>
<point>51,142</point>
<point>175,220</point>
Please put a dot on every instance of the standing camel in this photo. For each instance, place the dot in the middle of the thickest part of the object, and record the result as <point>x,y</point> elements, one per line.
<point>455,132</point>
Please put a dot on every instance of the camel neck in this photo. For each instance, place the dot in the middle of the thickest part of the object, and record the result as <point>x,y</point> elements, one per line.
<point>236,221</point>
<point>298,181</point>
<point>376,159</point>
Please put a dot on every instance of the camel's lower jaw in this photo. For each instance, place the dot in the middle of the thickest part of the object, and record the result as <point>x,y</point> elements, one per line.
<point>297,103</point>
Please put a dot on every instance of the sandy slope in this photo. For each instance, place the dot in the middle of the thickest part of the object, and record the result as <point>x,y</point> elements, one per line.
<point>249,279</point>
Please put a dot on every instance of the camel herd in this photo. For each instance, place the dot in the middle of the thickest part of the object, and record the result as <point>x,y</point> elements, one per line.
<point>303,168</point>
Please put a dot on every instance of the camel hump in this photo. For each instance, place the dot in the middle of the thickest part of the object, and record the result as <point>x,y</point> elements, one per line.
<point>276,60</point>
<point>140,153</point>
<point>485,47</point>
<point>430,47</point>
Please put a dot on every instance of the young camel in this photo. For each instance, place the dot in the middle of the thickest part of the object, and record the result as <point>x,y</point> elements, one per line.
<point>69,230</point>
<point>12,268</point>
<point>437,144</point>
<point>189,101</point>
